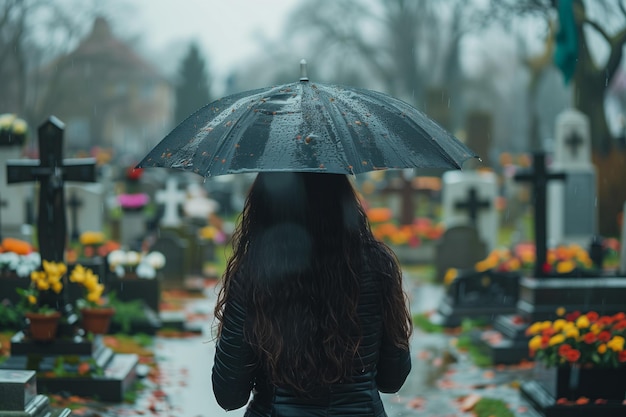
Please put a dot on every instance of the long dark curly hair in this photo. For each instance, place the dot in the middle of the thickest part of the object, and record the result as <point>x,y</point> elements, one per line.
<point>299,250</point>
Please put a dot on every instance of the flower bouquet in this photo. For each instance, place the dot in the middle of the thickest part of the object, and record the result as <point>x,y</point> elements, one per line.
<point>18,257</point>
<point>584,339</point>
<point>143,265</point>
<point>583,353</point>
<point>95,313</point>
<point>13,130</point>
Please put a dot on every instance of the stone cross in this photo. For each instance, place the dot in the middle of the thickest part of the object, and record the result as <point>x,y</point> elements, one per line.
<point>51,171</point>
<point>171,198</point>
<point>539,178</point>
<point>74,204</point>
<point>472,205</point>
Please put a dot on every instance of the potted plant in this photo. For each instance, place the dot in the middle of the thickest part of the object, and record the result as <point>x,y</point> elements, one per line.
<point>39,300</point>
<point>95,313</point>
<point>581,355</point>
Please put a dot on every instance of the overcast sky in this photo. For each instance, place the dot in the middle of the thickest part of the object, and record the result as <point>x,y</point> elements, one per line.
<point>227,31</point>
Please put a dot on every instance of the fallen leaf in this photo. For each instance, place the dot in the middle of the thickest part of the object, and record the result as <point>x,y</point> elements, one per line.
<point>416,403</point>
<point>469,402</point>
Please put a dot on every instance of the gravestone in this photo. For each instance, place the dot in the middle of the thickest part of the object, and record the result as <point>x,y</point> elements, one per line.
<point>51,171</point>
<point>118,370</point>
<point>539,176</point>
<point>171,198</point>
<point>19,398</point>
<point>572,209</point>
<point>460,247</point>
<point>12,198</point>
<point>469,198</point>
<point>85,209</point>
<point>479,296</point>
<point>176,268</point>
<point>116,374</point>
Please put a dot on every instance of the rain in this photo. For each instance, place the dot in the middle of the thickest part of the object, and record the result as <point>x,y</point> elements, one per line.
<point>485,141</point>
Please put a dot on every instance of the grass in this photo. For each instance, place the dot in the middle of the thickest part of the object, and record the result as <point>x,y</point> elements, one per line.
<point>466,344</point>
<point>422,321</point>
<point>490,407</point>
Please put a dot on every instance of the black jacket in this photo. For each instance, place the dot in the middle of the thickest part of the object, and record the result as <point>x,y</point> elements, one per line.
<point>380,367</point>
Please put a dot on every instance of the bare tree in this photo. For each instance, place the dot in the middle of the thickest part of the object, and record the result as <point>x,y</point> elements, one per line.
<point>32,32</point>
<point>603,20</point>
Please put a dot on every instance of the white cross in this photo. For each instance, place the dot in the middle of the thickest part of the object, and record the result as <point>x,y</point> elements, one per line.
<point>171,198</point>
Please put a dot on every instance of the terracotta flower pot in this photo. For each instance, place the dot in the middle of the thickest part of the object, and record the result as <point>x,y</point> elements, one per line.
<point>97,320</point>
<point>43,327</point>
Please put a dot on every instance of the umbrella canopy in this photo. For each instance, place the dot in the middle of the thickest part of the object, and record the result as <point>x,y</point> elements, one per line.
<point>307,127</point>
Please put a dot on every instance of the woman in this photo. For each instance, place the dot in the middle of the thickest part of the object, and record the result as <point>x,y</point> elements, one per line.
<point>311,316</point>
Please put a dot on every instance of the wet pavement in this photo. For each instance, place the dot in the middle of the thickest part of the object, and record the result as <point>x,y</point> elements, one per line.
<point>443,381</point>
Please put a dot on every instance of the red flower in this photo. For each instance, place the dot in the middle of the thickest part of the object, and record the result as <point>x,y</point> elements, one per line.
<point>605,320</point>
<point>546,268</point>
<point>592,316</point>
<point>619,316</point>
<point>572,355</point>
<point>590,338</point>
<point>621,356</point>
<point>604,336</point>
<point>549,331</point>
<point>83,368</point>
<point>620,325</point>
<point>134,174</point>
<point>564,349</point>
<point>572,316</point>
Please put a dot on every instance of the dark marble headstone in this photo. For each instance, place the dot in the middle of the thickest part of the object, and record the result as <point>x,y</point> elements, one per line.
<point>118,370</point>
<point>478,295</point>
<point>176,268</point>
<point>17,389</point>
<point>19,398</point>
<point>460,247</point>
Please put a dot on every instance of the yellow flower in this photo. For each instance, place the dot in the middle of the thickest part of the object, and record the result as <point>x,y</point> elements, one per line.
<point>595,328</point>
<point>488,263</point>
<point>556,340</point>
<point>32,299</point>
<point>559,324</point>
<point>54,268</point>
<point>602,349</point>
<point>560,311</point>
<point>43,285</point>
<point>92,238</point>
<point>564,267</point>
<point>56,287</point>
<point>450,276</point>
<point>535,328</point>
<point>616,344</point>
<point>535,343</point>
<point>582,322</point>
<point>78,274</point>
<point>572,332</point>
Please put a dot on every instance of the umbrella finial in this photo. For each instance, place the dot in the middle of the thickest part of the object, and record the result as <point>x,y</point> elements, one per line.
<point>303,74</point>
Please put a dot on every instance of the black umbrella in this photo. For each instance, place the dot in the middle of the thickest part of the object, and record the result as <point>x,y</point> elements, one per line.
<point>307,127</point>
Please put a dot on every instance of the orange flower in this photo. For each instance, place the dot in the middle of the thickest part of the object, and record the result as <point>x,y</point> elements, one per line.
<point>564,349</point>
<point>18,246</point>
<point>83,368</point>
<point>379,214</point>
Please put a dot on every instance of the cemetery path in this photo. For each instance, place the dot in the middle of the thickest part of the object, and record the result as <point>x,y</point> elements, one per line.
<point>443,381</point>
